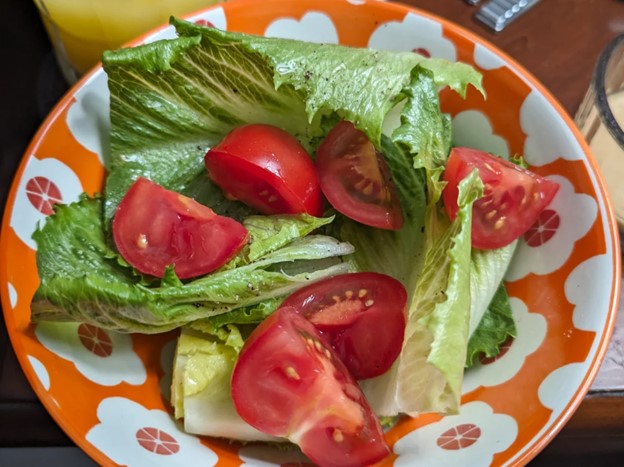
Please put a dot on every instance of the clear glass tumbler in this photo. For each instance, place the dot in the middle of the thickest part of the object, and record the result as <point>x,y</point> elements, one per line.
<point>601,120</point>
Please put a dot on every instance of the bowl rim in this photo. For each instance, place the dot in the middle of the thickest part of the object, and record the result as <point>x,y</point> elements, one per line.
<point>542,438</point>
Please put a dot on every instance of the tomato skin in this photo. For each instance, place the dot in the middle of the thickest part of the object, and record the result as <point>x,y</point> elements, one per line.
<point>266,168</point>
<point>362,315</point>
<point>289,382</point>
<point>512,200</point>
<point>356,180</point>
<point>154,228</point>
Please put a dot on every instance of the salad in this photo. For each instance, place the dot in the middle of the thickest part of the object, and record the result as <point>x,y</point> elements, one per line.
<point>300,212</point>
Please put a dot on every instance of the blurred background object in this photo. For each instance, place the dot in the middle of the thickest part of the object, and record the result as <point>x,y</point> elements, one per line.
<point>80,30</point>
<point>601,120</point>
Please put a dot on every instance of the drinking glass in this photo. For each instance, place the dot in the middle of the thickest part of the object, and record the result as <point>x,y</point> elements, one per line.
<point>80,30</point>
<point>601,120</point>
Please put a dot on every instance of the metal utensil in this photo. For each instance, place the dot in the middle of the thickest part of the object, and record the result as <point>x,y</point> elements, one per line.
<point>497,14</point>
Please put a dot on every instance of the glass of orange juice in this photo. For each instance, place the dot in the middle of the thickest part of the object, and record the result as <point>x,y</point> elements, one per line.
<point>80,30</point>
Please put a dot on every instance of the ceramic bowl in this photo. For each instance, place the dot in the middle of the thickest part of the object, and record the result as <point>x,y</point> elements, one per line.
<point>109,392</point>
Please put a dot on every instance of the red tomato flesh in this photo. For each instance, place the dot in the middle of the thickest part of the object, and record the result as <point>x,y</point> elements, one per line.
<point>512,200</point>
<point>356,180</point>
<point>154,228</point>
<point>361,314</point>
<point>288,382</point>
<point>266,168</point>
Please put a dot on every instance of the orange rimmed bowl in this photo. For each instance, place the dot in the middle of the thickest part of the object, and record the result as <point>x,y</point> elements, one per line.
<point>109,392</point>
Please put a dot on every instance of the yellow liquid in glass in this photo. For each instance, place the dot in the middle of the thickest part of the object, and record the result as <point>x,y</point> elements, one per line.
<point>82,29</point>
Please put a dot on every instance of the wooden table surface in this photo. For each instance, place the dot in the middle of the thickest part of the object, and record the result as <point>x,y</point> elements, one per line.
<point>558,41</point>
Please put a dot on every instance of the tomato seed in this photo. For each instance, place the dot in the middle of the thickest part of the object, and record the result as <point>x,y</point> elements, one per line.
<point>490,214</point>
<point>141,241</point>
<point>349,294</point>
<point>337,435</point>
<point>369,302</point>
<point>362,293</point>
<point>292,373</point>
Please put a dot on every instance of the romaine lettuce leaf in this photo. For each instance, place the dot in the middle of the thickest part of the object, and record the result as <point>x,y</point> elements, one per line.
<point>82,279</point>
<point>428,373</point>
<point>200,389</point>
<point>252,314</point>
<point>487,270</point>
<point>495,327</point>
<point>171,100</point>
<point>424,130</point>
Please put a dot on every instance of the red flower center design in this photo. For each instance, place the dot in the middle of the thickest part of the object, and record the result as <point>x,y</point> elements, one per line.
<point>544,228</point>
<point>503,349</point>
<point>95,340</point>
<point>157,441</point>
<point>422,51</point>
<point>459,437</point>
<point>43,194</point>
<point>204,22</point>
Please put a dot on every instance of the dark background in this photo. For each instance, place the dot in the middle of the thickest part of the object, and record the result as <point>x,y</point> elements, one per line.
<point>558,41</point>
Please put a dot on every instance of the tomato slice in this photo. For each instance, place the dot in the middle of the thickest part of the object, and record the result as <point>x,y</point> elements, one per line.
<point>289,382</point>
<point>361,314</point>
<point>356,180</point>
<point>512,200</point>
<point>266,168</point>
<point>154,228</point>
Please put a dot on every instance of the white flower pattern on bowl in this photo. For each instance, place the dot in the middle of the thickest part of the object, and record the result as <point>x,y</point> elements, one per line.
<point>590,274</point>
<point>132,435</point>
<point>567,219</point>
<point>530,329</point>
<point>103,357</point>
<point>313,27</point>
<point>471,437</point>
<point>416,33</point>
<point>44,183</point>
<point>472,128</point>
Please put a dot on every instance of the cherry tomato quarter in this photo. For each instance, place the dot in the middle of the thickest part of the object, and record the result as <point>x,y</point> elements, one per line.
<point>361,314</point>
<point>289,382</point>
<point>154,228</point>
<point>356,180</point>
<point>266,168</point>
<point>513,197</point>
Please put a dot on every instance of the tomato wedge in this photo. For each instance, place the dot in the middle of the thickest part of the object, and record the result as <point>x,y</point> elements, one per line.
<point>362,315</point>
<point>266,168</point>
<point>154,228</point>
<point>356,180</point>
<point>512,200</point>
<point>288,382</point>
